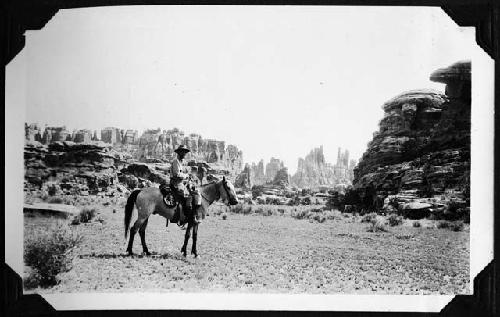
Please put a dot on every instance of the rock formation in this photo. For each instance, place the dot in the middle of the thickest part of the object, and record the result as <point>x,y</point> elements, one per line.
<point>272,168</point>
<point>421,153</point>
<point>257,175</point>
<point>282,178</point>
<point>152,146</point>
<point>244,179</point>
<point>314,172</point>
<point>70,168</point>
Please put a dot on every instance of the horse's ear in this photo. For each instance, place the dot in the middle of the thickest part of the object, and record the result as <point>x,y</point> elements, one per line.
<point>224,179</point>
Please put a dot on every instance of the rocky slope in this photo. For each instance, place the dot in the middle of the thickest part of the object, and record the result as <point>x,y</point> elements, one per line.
<point>419,160</point>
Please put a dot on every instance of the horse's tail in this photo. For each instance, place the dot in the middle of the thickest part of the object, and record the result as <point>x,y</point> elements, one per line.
<point>129,207</point>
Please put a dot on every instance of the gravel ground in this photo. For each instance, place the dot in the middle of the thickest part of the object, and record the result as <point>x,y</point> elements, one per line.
<point>271,254</point>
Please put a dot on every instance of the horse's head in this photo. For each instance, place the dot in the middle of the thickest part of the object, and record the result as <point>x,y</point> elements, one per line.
<point>227,192</point>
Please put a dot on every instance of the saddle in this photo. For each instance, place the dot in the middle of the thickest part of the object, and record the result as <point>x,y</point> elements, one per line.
<point>168,196</point>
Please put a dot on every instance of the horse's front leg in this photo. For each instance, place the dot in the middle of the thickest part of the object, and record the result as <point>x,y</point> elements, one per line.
<point>186,238</point>
<point>195,235</point>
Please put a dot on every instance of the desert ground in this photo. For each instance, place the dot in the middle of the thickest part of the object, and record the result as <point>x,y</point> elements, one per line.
<point>264,253</point>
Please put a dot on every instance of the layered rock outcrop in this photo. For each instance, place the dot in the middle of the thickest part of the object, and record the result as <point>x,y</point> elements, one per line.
<point>314,172</point>
<point>421,153</point>
<point>71,168</point>
<point>152,146</point>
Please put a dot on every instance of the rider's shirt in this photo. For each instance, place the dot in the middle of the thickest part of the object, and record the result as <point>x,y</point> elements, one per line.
<point>177,171</point>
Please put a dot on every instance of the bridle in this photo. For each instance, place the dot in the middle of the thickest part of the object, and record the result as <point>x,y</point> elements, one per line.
<point>224,185</point>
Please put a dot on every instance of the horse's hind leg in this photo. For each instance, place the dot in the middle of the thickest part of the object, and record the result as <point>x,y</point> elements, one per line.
<point>142,233</point>
<point>137,225</point>
<point>186,238</point>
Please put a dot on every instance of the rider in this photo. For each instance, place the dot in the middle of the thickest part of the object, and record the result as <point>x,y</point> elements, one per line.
<point>178,180</point>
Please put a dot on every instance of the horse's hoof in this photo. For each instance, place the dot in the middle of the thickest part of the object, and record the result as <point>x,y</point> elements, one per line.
<point>130,253</point>
<point>146,253</point>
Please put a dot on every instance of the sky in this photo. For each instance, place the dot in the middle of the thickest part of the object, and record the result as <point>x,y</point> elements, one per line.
<point>276,81</point>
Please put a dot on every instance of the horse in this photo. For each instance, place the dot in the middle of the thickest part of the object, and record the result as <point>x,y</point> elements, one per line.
<point>150,201</point>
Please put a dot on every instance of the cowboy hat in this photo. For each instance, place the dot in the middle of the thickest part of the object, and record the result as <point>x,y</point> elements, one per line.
<point>182,148</point>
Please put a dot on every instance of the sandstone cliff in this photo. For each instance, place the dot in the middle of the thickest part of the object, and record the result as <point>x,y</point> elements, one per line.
<point>421,152</point>
<point>153,146</point>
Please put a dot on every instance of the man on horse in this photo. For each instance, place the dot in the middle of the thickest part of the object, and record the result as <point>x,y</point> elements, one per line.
<point>183,188</point>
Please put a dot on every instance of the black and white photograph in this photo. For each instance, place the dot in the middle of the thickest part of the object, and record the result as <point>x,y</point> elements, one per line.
<point>250,151</point>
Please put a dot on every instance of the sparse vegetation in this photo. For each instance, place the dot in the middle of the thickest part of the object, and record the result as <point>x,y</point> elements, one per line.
<point>377,224</point>
<point>369,217</point>
<point>457,226</point>
<point>394,220</point>
<point>85,215</point>
<point>47,255</point>
<point>443,224</point>
<point>55,200</point>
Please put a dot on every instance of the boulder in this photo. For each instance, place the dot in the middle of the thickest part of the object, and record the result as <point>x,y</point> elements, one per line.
<point>416,210</point>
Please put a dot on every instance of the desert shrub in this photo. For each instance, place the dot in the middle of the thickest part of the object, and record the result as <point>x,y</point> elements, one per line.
<point>52,190</point>
<point>317,217</point>
<point>351,197</point>
<point>417,224</point>
<point>332,214</point>
<point>257,191</point>
<point>306,201</point>
<point>55,200</point>
<point>75,221</point>
<point>294,201</point>
<point>377,224</point>
<point>335,201</point>
<point>47,254</point>
<point>443,224</point>
<point>369,217</point>
<point>267,212</point>
<point>394,220</point>
<point>237,209</point>
<point>259,210</point>
<point>299,213</point>
<point>87,214</point>
<point>224,216</point>
<point>457,226</point>
<point>272,201</point>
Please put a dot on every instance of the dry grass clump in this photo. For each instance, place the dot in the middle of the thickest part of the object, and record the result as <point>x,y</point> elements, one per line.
<point>85,216</point>
<point>369,217</point>
<point>55,200</point>
<point>46,252</point>
<point>395,220</point>
<point>457,226</point>
<point>451,225</point>
<point>377,224</point>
